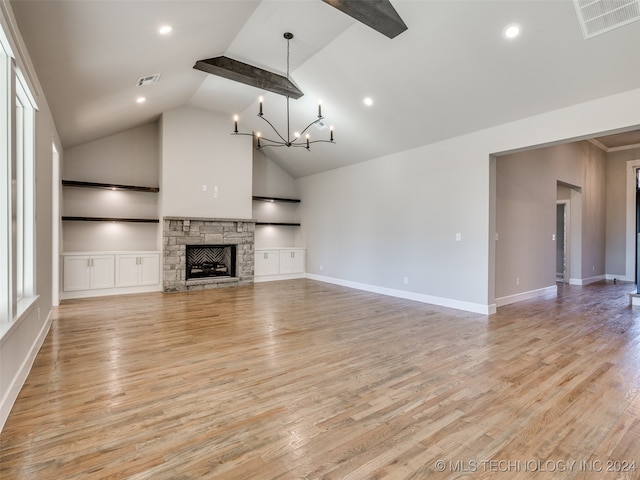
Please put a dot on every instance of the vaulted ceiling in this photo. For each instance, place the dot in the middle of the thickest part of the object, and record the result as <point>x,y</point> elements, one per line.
<point>452,72</point>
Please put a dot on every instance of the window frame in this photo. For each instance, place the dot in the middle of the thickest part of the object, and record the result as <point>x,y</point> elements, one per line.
<point>17,192</point>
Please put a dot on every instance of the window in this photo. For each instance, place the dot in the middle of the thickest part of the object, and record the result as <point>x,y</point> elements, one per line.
<point>24,203</point>
<point>17,190</point>
<point>5,175</point>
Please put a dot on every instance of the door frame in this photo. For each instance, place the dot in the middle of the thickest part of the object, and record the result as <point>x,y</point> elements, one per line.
<point>567,237</point>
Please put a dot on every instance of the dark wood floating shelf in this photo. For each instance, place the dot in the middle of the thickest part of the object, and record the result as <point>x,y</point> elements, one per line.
<point>279,224</point>
<point>276,199</point>
<point>110,219</point>
<point>108,186</point>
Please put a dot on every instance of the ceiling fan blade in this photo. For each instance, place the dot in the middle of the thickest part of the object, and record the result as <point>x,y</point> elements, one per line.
<point>377,14</point>
<point>249,75</point>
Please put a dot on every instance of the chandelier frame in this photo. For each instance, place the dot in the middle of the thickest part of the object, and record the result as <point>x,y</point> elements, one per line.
<point>296,141</point>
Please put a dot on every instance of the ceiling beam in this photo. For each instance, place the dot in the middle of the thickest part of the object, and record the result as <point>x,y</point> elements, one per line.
<point>249,75</point>
<point>377,14</point>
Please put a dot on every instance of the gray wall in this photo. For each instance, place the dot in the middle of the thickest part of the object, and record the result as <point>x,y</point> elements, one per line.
<point>372,224</point>
<point>616,206</point>
<point>527,190</point>
<point>23,337</point>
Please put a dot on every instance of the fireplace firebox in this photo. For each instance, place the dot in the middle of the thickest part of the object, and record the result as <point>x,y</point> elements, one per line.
<point>204,261</point>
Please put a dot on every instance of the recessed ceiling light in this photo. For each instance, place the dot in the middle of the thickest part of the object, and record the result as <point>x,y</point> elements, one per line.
<point>141,100</point>
<point>511,31</point>
<point>368,101</point>
<point>165,29</point>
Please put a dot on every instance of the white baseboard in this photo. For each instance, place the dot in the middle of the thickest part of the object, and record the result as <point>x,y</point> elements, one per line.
<point>6,404</point>
<point>620,278</point>
<point>519,297</point>
<point>110,291</point>
<point>586,281</point>
<point>273,278</point>
<point>418,297</point>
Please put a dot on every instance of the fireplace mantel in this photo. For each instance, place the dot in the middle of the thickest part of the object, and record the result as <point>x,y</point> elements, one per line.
<point>209,219</point>
<point>178,232</point>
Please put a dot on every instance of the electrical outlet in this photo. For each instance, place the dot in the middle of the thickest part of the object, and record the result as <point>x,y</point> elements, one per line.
<point>321,267</point>
<point>518,281</point>
<point>406,280</point>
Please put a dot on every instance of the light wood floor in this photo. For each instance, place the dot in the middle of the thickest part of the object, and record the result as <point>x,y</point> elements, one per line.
<point>306,380</point>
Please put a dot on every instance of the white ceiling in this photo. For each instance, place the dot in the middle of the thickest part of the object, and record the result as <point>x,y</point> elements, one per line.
<point>450,73</point>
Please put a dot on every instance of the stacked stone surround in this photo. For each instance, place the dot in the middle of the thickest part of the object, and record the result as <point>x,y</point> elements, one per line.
<point>178,232</point>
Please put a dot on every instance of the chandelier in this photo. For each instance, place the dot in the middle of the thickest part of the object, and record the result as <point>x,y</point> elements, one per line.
<point>299,139</point>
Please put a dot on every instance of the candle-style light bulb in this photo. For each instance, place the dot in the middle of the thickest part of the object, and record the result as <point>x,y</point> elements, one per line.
<point>258,137</point>
<point>235,121</point>
<point>319,108</point>
<point>307,141</point>
<point>261,100</point>
<point>331,130</point>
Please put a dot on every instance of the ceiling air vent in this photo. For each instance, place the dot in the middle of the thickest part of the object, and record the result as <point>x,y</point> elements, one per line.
<point>600,16</point>
<point>148,80</point>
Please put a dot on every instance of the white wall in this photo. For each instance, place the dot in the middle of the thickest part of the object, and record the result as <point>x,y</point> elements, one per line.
<point>197,150</point>
<point>127,158</point>
<point>269,180</point>
<point>130,157</point>
<point>22,339</point>
<point>371,224</point>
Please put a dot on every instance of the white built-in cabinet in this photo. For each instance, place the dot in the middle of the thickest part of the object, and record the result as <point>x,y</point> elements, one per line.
<point>109,273</point>
<point>291,261</point>
<point>266,262</point>
<point>279,264</point>
<point>134,270</point>
<point>87,272</point>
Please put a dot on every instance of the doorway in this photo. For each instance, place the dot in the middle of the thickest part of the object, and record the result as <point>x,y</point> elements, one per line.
<point>568,233</point>
<point>562,245</point>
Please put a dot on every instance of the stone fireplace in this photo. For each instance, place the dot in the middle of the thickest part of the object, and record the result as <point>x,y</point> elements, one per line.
<point>204,253</point>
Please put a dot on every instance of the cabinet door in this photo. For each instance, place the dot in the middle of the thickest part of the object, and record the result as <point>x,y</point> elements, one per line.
<point>76,273</point>
<point>266,262</point>
<point>291,261</point>
<point>297,261</point>
<point>102,271</point>
<point>285,261</point>
<point>149,266</point>
<point>127,270</point>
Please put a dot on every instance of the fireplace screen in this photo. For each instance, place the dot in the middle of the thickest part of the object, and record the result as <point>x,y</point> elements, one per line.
<point>211,261</point>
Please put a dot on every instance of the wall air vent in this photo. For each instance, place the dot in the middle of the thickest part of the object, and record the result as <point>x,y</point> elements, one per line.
<point>148,80</point>
<point>600,16</point>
